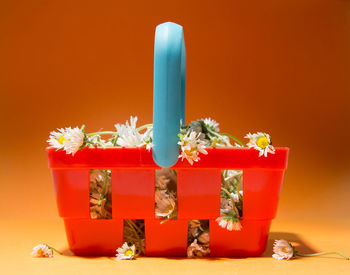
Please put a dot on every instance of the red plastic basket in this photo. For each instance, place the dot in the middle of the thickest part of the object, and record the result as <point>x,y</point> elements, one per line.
<point>198,197</point>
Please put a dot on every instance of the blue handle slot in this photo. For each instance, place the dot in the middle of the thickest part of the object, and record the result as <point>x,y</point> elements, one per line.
<point>168,92</point>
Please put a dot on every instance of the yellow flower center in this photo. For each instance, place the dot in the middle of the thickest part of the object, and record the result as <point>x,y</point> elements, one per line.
<point>214,142</point>
<point>128,252</point>
<point>61,139</point>
<point>285,250</point>
<point>189,152</point>
<point>168,209</point>
<point>262,142</point>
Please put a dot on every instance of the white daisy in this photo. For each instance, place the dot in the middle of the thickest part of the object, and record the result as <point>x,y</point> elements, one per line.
<point>212,124</point>
<point>125,252</point>
<point>222,222</point>
<point>42,250</point>
<point>229,224</point>
<point>128,136</point>
<point>74,140</point>
<point>68,139</point>
<point>191,146</point>
<point>261,142</point>
<point>56,138</point>
<point>236,225</point>
<point>282,250</point>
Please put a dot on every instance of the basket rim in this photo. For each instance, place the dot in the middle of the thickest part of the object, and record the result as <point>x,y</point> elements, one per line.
<point>235,158</point>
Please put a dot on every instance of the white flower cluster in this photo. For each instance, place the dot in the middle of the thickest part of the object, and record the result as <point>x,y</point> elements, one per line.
<point>194,138</point>
<point>229,224</point>
<point>191,146</point>
<point>128,135</point>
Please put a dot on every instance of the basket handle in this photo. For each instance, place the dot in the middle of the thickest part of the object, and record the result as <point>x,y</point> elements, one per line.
<point>168,92</point>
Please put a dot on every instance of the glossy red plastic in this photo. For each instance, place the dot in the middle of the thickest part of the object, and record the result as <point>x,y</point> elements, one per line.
<point>198,191</point>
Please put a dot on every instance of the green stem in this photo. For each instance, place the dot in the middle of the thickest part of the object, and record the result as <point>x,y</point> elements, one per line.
<point>103,189</point>
<point>226,191</point>
<point>136,227</point>
<point>164,221</point>
<point>235,139</point>
<point>144,127</point>
<point>323,253</point>
<point>223,134</point>
<point>213,132</point>
<point>54,249</point>
<point>115,140</point>
<point>114,133</point>
<point>102,133</point>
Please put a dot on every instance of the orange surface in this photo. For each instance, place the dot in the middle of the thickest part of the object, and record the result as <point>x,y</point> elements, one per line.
<point>277,66</point>
<point>314,235</point>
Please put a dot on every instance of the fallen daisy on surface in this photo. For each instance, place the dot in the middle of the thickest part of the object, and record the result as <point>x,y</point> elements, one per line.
<point>125,252</point>
<point>44,251</point>
<point>285,250</point>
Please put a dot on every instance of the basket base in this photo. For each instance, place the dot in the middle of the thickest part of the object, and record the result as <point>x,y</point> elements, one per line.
<point>88,237</point>
<point>250,241</point>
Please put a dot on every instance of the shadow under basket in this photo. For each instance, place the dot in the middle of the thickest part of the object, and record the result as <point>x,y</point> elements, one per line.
<point>198,198</point>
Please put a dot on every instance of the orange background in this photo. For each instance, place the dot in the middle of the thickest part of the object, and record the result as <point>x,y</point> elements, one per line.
<point>280,67</point>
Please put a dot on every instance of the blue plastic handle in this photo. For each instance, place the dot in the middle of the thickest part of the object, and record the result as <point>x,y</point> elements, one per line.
<point>168,92</point>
